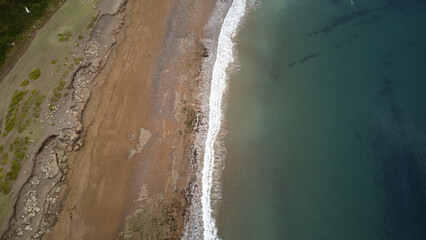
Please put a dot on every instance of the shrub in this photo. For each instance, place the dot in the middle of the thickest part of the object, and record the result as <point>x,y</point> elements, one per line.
<point>14,171</point>
<point>61,85</point>
<point>58,95</point>
<point>1,148</point>
<point>40,100</point>
<point>35,74</point>
<point>17,97</point>
<point>64,37</point>
<point>6,187</point>
<point>25,83</point>
<point>19,155</point>
<point>9,125</point>
<point>54,61</point>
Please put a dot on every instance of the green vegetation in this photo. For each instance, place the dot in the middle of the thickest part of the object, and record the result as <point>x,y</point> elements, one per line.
<point>5,187</point>
<point>91,24</point>
<point>19,155</point>
<point>66,73</point>
<point>64,37</point>
<point>4,158</point>
<point>17,97</point>
<point>78,60</point>
<point>18,115</point>
<point>54,61</point>
<point>57,92</point>
<point>9,125</point>
<point>15,22</point>
<point>35,74</point>
<point>1,148</point>
<point>40,99</point>
<point>25,83</point>
<point>14,171</point>
<point>80,37</point>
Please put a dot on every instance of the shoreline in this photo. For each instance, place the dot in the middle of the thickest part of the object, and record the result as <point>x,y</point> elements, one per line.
<point>160,171</point>
<point>131,153</point>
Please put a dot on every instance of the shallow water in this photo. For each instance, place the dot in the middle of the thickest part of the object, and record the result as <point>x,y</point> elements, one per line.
<point>327,123</point>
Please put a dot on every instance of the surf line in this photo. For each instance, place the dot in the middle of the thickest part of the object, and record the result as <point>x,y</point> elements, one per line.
<point>224,57</point>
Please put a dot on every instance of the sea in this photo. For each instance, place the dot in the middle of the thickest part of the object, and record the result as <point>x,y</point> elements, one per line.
<point>325,119</point>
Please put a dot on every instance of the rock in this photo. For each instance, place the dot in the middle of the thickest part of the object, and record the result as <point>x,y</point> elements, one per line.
<point>76,147</point>
<point>54,170</point>
<point>79,144</point>
<point>60,153</point>
<point>54,158</point>
<point>79,127</point>
<point>65,166</point>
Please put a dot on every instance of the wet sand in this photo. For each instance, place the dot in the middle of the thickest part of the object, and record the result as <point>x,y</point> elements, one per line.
<point>148,86</point>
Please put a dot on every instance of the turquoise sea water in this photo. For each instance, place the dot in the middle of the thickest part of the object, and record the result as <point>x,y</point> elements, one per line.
<point>327,123</point>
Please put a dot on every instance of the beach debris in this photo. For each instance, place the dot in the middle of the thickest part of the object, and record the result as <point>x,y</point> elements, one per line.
<point>26,9</point>
<point>144,136</point>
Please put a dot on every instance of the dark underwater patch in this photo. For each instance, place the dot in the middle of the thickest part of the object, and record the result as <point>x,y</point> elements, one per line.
<point>401,158</point>
<point>313,55</point>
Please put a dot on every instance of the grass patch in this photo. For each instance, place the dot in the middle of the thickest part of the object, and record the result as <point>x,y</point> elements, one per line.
<point>4,186</point>
<point>64,37</point>
<point>78,60</point>
<point>10,124</point>
<point>4,158</point>
<point>17,97</point>
<point>14,171</point>
<point>92,23</point>
<point>54,61</point>
<point>35,74</point>
<point>40,99</point>
<point>25,83</point>
<point>19,155</point>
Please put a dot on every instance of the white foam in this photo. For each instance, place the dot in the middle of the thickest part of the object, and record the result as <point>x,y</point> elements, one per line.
<point>224,58</point>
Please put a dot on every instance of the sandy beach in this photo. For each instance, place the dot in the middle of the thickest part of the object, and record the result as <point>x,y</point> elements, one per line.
<point>117,159</point>
<point>137,137</point>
